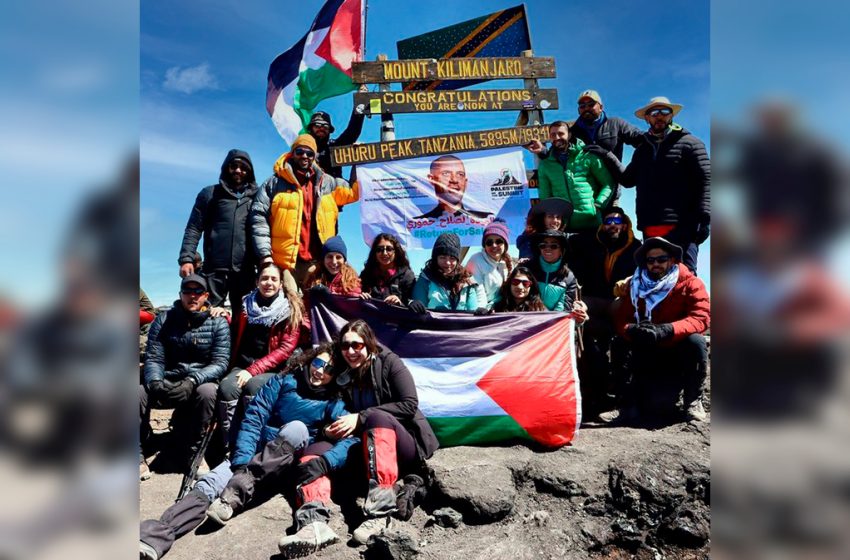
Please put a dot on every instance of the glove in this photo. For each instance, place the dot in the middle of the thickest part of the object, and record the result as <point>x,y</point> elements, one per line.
<point>309,471</point>
<point>412,493</point>
<point>183,390</point>
<point>642,333</point>
<point>596,150</point>
<point>156,388</point>
<point>702,233</point>
<point>481,311</point>
<point>416,306</point>
<point>663,331</point>
<point>319,289</point>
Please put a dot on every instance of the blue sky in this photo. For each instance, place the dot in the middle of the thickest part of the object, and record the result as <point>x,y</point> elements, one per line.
<point>203,82</point>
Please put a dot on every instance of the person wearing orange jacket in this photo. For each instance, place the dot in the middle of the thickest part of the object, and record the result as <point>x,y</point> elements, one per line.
<point>296,210</point>
<point>663,316</point>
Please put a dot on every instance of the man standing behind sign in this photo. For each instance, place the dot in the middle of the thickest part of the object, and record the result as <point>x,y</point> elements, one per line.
<point>449,179</point>
<point>320,128</point>
<point>577,176</point>
<point>296,209</point>
<point>672,175</point>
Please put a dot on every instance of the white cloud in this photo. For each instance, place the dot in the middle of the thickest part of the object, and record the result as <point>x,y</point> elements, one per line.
<point>191,79</point>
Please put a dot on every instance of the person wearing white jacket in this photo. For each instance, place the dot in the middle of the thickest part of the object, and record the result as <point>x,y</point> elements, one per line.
<point>490,267</point>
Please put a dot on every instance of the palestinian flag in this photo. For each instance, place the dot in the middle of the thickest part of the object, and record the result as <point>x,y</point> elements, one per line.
<point>502,33</point>
<point>479,379</point>
<point>316,67</point>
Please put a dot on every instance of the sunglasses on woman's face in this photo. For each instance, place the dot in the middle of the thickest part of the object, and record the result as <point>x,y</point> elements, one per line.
<point>613,220</point>
<point>303,152</point>
<point>356,346</point>
<point>319,363</point>
<point>491,242</point>
<point>385,250</point>
<point>550,246</point>
<point>523,283</point>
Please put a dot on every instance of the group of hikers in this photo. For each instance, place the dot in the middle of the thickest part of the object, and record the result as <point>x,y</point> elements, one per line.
<point>297,416</point>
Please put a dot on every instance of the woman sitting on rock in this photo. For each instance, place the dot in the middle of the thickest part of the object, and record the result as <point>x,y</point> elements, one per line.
<point>266,333</point>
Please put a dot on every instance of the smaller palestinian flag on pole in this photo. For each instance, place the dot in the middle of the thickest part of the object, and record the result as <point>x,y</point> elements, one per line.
<point>317,67</point>
<point>480,379</point>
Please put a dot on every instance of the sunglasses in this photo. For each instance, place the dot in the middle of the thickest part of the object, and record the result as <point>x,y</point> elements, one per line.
<point>356,346</point>
<point>320,125</point>
<point>303,152</point>
<point>663,111</point>
<point>319,363</point>
<point>551,246</point>
<point>491,242</point>
<point>585,104</point>
<point>523,283</point>
<point>615,220</point>
<point>660,260</point>
<point>192,291</point>
<point>235,166</point>
<point>385,250</point>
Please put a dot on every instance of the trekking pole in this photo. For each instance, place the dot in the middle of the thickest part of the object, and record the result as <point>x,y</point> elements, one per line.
<point>579,328</point>
<point>189,477</point>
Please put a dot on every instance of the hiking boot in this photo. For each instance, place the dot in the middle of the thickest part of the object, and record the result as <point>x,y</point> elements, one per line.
<point>146,552</point>
<point>610,416</point>
<point>372,526</point>
<point>220,512</point>
<point>144,471</point>
<point>309,539</point>
<point>696,412</point>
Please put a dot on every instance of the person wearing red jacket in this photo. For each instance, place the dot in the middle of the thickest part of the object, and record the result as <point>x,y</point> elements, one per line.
<point>662,315</point>
<point>267,331</point>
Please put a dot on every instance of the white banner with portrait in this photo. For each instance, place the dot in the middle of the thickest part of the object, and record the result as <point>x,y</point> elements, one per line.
<point>418,199</point>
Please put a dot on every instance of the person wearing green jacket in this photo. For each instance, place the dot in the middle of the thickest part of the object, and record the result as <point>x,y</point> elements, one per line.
<point>577,176</point>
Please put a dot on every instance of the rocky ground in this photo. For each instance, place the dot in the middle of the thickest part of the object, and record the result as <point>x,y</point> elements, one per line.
<point>613,493</point>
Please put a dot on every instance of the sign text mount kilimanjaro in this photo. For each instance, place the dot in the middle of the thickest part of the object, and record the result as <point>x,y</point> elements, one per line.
<point>423,69</point>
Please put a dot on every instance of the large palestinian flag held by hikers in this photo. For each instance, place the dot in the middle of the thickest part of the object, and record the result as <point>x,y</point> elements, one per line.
<point>480,380</point>
<point>317,67</point>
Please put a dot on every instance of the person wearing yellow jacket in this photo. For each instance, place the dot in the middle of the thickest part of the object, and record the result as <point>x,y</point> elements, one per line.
<point>296,209</point>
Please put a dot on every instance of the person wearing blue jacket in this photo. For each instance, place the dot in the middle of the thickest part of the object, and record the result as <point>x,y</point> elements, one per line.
<point>281,425</point>
<point>444,285</point>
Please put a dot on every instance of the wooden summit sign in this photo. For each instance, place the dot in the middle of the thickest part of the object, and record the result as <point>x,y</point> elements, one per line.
<point>454,100</point>
<point>495,68</point>
<point>436,145</point>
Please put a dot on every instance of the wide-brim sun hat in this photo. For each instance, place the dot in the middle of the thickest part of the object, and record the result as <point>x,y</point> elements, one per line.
<point>554,205</point>
<point>655,102</point>
<point>657,243</point>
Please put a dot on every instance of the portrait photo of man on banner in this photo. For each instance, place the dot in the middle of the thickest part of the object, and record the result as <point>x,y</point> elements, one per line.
<point>418,199</point>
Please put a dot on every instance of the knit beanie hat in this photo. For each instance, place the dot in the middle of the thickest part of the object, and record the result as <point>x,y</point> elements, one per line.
<point>496,227</point>
<point>305,140</point>
<point>335,245</point>
<point>446,244</point>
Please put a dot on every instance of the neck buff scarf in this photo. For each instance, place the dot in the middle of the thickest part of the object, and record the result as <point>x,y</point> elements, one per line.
<point>652,291</point>
<point>276,311</point>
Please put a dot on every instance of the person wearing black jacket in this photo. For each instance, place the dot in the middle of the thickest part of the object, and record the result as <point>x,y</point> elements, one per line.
<point>599,259</point>
<point>187,354</point>
<point>397,439</point>
<point>672,175</point>
<point>320,128</point>
<point>387,275</point>
<point>220,215</point>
